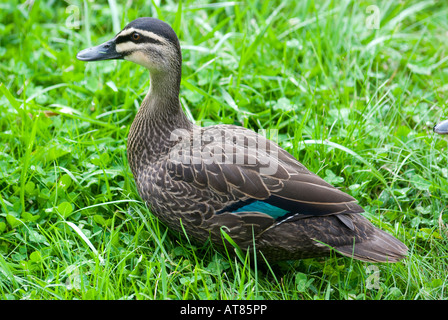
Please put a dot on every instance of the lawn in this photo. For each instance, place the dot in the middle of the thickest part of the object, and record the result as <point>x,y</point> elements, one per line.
<point>350,89</point>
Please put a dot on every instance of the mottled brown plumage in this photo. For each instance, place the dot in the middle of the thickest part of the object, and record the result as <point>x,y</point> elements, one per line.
<point>228,178</point>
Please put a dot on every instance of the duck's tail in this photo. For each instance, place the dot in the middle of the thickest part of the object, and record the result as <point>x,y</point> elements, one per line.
<point>380,247</point>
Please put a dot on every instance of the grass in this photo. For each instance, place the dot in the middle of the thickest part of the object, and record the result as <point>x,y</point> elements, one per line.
<point>354,104</point>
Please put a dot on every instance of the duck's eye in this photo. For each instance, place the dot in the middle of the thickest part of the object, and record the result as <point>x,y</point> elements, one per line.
<point>135,36</point>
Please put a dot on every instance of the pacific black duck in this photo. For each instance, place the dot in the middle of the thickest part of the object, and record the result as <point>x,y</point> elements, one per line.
<point>442,127</point>
<point>226,178</point>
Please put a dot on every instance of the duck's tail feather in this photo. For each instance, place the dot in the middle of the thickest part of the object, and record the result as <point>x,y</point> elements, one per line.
<point>380,247</point>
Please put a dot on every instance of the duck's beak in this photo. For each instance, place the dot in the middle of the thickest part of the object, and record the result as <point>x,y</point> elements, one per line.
<point>105,51</point>
<point>441,128</point>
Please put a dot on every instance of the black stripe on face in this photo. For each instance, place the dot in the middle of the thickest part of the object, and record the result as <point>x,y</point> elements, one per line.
<point>132,38</point>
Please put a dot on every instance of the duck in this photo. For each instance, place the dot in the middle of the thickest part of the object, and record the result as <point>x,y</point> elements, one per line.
<point>441,128</point>
<point>226,183</point>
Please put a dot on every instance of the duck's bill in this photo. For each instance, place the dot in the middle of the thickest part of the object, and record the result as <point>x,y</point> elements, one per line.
<point>442,127</point>
<point>105,51</point>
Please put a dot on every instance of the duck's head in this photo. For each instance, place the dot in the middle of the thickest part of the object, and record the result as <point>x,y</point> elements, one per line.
<point>149,42</point>
<point>441,128</point>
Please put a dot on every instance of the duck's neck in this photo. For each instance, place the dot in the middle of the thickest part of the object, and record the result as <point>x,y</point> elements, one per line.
<point>163,95</point>
<point>150,136</point>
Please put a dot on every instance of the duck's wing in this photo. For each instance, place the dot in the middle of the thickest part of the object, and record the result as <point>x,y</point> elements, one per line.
<point>243,178</point>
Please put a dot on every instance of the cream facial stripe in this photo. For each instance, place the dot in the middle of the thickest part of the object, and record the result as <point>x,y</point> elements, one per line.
<point>125,44</point>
